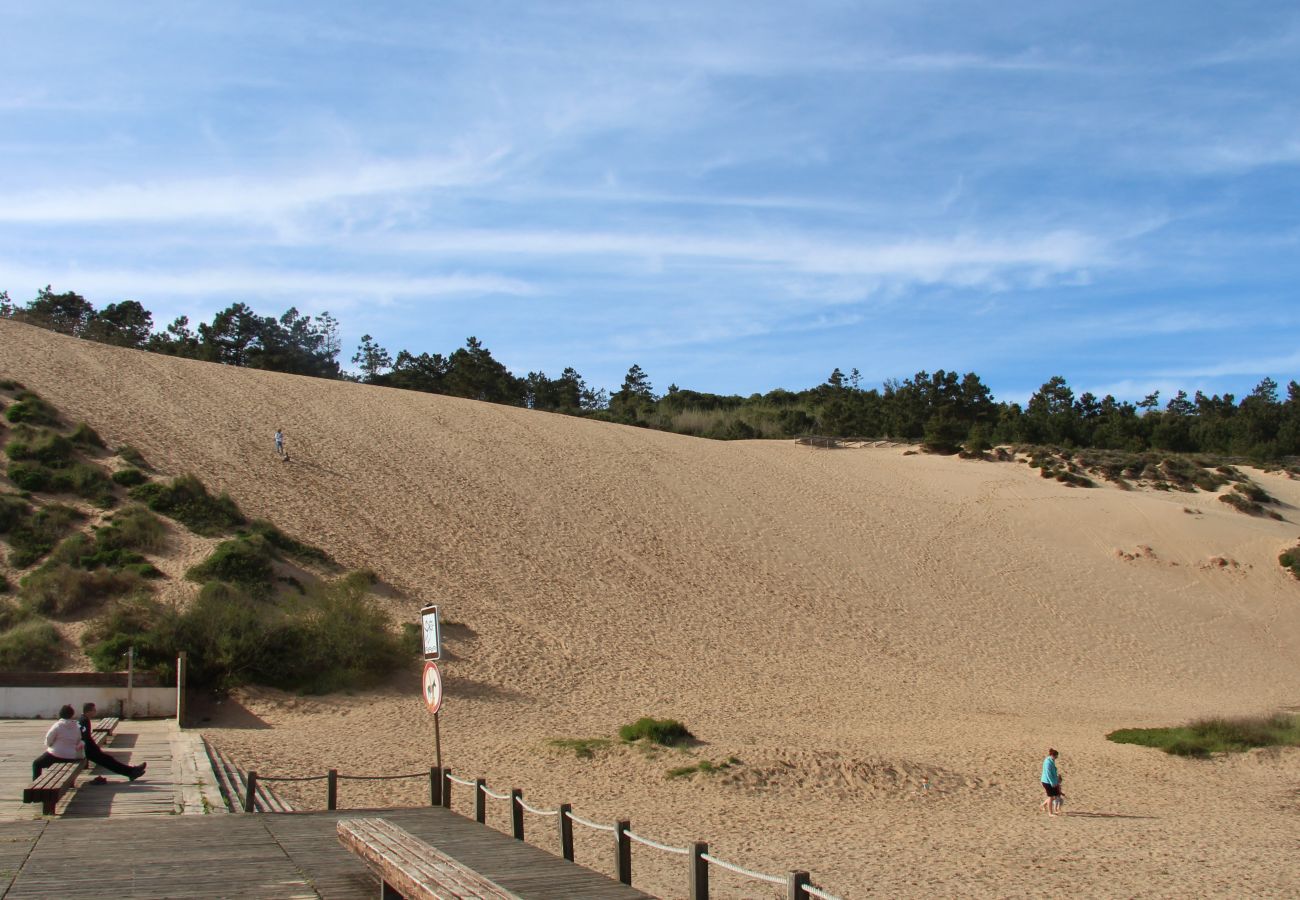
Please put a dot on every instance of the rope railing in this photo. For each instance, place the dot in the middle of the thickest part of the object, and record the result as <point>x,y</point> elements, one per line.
<point>535,811</point>
<point>440,788</point>
<point>748,873</point>
<point>590,824</point>
<point>684,851</point>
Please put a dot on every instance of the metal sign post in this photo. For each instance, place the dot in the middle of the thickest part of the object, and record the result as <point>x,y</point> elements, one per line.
<point>431,632</point>
<point>432,683</point>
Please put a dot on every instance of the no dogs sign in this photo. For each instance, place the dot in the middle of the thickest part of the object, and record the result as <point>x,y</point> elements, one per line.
<point>432,687</point>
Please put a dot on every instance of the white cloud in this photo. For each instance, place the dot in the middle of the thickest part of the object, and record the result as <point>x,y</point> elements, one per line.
<point>240,197</point>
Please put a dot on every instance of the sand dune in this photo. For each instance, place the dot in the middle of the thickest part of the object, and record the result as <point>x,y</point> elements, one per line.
<point>888,643</point>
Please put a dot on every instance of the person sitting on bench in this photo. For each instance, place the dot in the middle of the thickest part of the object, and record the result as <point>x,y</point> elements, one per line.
<point>62,742</point>
<point>98,756</point>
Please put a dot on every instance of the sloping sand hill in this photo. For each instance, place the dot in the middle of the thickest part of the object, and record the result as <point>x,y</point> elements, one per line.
<point>887,643</point>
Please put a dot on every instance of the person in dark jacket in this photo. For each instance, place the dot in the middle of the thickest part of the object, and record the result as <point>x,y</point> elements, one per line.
<point>98,756</point>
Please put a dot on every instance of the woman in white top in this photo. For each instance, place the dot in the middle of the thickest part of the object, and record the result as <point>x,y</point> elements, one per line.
<point>62,742</point>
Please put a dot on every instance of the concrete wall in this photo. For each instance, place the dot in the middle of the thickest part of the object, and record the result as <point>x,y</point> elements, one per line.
<point>44,702</point>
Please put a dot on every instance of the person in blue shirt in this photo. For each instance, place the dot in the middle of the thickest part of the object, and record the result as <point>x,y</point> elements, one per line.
<point>1051,784</point>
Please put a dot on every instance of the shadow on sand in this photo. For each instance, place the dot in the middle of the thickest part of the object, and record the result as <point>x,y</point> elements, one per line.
<point>1105,815</point>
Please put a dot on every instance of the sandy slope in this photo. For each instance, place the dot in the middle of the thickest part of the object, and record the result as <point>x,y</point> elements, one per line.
<point>888,643</point>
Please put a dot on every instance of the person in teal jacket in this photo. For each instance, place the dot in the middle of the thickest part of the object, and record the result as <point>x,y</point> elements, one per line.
<point>1051,784</point>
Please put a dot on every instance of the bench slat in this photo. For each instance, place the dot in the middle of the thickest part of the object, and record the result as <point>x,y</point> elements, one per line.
<point>53,783</point>
<point>419,871</point>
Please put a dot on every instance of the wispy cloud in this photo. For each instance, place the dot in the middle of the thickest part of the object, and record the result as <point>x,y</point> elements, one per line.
<point>240,196</point>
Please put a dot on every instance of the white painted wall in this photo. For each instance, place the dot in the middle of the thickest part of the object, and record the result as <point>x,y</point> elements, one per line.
<point>44,702</point>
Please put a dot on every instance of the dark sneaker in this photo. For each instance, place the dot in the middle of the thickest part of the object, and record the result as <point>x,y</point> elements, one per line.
<point>98,779</point>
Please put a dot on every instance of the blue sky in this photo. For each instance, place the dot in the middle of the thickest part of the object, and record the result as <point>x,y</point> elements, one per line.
<point>735,196</point>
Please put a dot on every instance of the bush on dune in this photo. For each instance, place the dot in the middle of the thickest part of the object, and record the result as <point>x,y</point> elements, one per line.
<point>32,645</point>
<point>61,589</point>
<point>245,561</point>
<point>1216,735</point>
<point>36,535</point>
<point>656,731</point>
<point>32,410</point>
<point>187,501</point>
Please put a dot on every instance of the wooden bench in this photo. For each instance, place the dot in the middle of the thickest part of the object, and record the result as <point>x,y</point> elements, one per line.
<point>54,782</point>
<point>410,869</point>
<point>103,730</point>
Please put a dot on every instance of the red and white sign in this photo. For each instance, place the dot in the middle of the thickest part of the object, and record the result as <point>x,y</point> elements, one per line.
<point>432,687</point>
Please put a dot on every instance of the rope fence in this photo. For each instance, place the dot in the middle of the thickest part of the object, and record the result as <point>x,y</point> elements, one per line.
<point>797,883</point>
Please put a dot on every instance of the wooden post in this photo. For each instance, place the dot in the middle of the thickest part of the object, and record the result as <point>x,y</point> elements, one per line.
<point>699,871</point>
<point>623,851</point>
<point>250,798</point>
<point>480,801</point>
<point>446,788</point>
<point>437,742</point>
<point>516,814</point>
<point>332,790</point>
<point>795,884</point>
<point>180,690</point>
<point>130,681</point>
<point>566,831</point>
<point>435,785</point>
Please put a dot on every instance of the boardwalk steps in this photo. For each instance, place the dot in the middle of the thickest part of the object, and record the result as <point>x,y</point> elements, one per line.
<point>233,782</point>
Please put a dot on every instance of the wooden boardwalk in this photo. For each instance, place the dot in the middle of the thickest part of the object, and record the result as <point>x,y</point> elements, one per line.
<point>179,780</point>
<point>263,855</point>
<point>169,835</point>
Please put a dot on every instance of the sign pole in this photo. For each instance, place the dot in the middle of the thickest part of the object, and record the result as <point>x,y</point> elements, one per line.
<point>437,743</point>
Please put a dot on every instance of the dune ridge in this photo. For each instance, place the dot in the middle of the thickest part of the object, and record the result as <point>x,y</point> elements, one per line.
<point>888,643</point>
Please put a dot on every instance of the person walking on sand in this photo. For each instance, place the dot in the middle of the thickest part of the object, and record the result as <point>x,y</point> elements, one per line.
<point>62,743</point>
<point>98,756</point>
<point>279,442</point>
<point>1051,784</point>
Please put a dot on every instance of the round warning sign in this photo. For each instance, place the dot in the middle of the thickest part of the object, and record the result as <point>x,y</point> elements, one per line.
<point>432,687</point>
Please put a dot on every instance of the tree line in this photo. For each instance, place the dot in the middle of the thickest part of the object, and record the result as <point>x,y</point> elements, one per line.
<point>945,410</point>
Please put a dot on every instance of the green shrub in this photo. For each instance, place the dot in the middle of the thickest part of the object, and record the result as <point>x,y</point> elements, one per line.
<point>85,436</point>
<point>1291,560</point>
<point>49,448</point>
<point>349,641</point>
<point>1216,735</point>
<point>12,613</point>
<point>31,410</point>
<point>133,457</point>
<point>36,535</point>
<point>245,561</point>
<point>287,545</point>
<point>129,477</point>
<point>1253,492</point>
<point>138,621</point>
<point>13,509</point>
<point>88,481</point>
<point>134,528</point>
<point>30,476</point>
<point>187,501</point>
<point>33,645</point>
<point>8,384</point>
<point>61,589</point>
<point>1249,507</point>
<point>656,731</point>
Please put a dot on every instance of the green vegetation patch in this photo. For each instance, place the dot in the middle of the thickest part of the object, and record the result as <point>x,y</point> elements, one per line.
<point>1241,503</point>
<point>44,460</point>
<point>31,410</point>
<point>334,637</point>
<point>35,535</point>
<point>133,528</point>
<point>583,748</point>
<point>187,501</point>
<point>129,477</point>
<point>1206,736</point>
<point>666,732</point>
<point>133,457</point>
<point>32,645</point>
<point>289,546</point>
<point>13,509</point>
<point>1290,559</point>
<point>245,561</point>
<point>62,590</point>
<point>85,436</point>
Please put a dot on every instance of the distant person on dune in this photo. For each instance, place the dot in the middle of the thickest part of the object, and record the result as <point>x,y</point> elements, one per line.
<point>1051,784</point>
<point>279,442</point>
